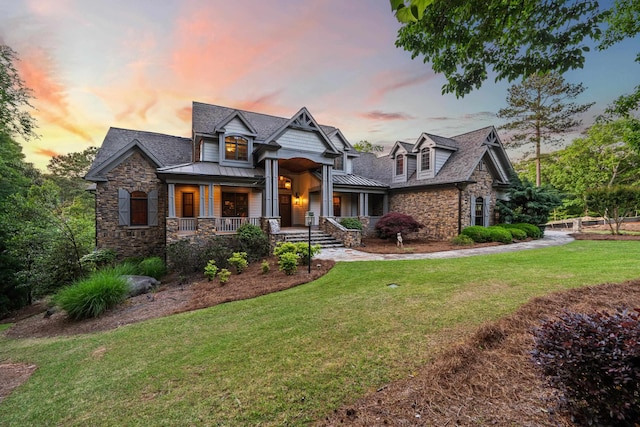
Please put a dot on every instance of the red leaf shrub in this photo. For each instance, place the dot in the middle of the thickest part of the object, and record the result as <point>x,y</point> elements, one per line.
<point>393,223</point>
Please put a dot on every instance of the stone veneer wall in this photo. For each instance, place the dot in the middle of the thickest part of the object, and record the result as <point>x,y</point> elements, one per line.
<point>349,238</point>
<point>135,173</point>
<point>482,187</point>
<point>437,208</point>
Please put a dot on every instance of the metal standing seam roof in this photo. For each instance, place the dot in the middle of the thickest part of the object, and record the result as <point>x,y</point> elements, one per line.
<point>357,181</point>
<point>212,169</point>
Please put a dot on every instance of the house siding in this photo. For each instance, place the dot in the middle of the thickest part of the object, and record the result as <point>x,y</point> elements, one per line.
<point>301,140</point>
<point>135,173</point>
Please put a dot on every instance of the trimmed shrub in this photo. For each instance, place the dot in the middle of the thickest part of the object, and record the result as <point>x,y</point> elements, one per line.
<point>462,240</point>
<point>532,231</point>
<point>393,223</point>
<point>187,258</point>
<point>499,234</point>
<point>594,361</point>
<point>265,267</point>
<point>288,262</point>
<point>223,276</point>
<point>351,223</point>
<point>477,233</point>
<point>211,270</point>
<point>239,261</point>
<point>98,259</point>
<point>153,267</point>
<point>517,232</point>
<point>253,241</point>
<point>301,249</point>
<point>94,295</point>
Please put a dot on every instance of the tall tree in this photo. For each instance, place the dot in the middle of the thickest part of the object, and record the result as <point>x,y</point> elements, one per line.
<point>365,146</point>
<point>539,112</point>
<point>466,40</point>
<point>68,171</point>
<point>14,98</point>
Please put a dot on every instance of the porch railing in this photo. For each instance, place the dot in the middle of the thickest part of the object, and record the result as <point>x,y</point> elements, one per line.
<point>223,225</point>
<point>231,224</point>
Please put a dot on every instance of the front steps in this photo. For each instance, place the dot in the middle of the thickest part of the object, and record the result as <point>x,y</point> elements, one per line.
<point>317,238</point>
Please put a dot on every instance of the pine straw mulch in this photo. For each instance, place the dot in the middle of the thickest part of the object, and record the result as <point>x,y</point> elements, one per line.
<point>489,379</point>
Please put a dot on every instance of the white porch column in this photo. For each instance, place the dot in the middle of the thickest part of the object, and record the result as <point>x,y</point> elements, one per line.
<point>363,204</point>
<point>202,199</point>
<point>271,188</point>
<point>210,201</point>
<point>327,191</point>
<point>172,200</point>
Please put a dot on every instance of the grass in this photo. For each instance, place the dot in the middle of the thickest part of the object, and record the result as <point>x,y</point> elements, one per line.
<point>291,357</point>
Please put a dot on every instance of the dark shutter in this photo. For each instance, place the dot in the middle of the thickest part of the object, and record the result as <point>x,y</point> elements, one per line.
<point>152,205</point>
<point>123,207</point>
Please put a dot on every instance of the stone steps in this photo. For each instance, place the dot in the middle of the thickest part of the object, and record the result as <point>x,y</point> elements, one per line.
<point>317,238</point>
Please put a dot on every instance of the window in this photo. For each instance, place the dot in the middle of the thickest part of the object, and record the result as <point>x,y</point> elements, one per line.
<point>338,163</point>
<point>479,209</point>
<point>425,159</point>
<point>187,205</point>
<point>235,204</point>
<point>337,206</point>
<point>399,164</point>
<point>236,148</point>
<point>137,208</point>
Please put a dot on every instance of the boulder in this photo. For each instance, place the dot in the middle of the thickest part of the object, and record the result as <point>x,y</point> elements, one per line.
<point>139,285</point>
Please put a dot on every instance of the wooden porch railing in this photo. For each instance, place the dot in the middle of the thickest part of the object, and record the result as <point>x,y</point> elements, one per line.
<point>223,225</point>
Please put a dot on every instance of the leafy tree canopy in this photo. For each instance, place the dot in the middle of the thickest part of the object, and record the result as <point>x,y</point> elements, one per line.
<point>367,147</point>
<point>14,98</point>
<point>466,40</point>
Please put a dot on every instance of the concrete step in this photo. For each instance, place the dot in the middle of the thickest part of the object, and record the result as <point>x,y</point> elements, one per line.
<point>317,238</point>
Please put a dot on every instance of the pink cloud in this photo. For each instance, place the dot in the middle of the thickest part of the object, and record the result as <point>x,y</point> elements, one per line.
<point>46,152</point>
<point>391,81</point>
<point>264,103</point>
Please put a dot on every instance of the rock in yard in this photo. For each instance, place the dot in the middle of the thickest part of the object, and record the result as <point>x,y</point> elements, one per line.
<point>139,285</point>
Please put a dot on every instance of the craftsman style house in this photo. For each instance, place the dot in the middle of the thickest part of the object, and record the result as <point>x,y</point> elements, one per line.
<point>244,167</point>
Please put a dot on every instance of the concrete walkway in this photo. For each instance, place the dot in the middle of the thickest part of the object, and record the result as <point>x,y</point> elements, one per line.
<point>551,238</point>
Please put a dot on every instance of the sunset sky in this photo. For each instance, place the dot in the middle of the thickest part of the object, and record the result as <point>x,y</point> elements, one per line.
<point>139,64</point>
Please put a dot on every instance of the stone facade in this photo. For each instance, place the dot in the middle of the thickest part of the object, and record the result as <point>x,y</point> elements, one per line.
<point>438,209</point>
<point>349,238</point>
<point>135,173</point>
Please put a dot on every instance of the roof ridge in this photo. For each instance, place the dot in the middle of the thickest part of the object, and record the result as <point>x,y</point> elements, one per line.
<point>148,132</point>
<point>471,131</point>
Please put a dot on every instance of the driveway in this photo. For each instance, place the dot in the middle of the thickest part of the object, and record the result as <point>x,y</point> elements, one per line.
<point>551,238</point>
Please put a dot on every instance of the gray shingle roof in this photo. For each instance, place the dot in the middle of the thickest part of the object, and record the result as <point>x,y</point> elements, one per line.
<point>442,141</point>
<point>164,149</point>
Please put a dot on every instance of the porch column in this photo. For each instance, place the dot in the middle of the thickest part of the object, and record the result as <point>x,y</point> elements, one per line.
<point>210,200</point>
<point>363,204</point>
<point>172,200</point>
<point>202,205</point>
<point>271,188</point>
<point>327,191</point>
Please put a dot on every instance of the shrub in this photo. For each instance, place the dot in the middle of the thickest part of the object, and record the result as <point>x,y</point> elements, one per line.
<point>288,262</point>
<point>187,258</point>
<point>223,275</point>
<point>532,231</point>
<point>393,223</point>
<point>98,259</point>
<point>462,240</point>
<point>516,232</point>
<point>239,261</point>
<point>253,241</point>
<point>477,233</point>
<point>301,249</point>
<point>499,234</point>
<point>211,270</point>
<point>265,267</point>
<point>153,267</point>
<point>594,361</point>
<point>351,223</point>
<point>94,295</point>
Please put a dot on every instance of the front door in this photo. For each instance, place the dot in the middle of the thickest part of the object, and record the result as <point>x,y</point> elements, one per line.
<point>285,210</point>
<point>187,205</point>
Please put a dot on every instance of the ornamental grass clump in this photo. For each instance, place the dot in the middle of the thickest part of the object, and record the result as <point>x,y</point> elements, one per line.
<point>94,295</point>
<point>154,267</point>
<point>593,360</point>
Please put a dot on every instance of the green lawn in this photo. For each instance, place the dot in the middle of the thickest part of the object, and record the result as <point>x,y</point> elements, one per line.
<point>289,358</point>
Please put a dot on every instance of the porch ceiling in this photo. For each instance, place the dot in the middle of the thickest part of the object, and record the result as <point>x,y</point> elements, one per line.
<point>297,164</point>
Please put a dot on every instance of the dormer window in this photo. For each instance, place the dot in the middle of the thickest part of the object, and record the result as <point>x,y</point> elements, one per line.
<point>399,164</point>
<point>338,163</point>
<point>425,159</point>
<point>236,148</point>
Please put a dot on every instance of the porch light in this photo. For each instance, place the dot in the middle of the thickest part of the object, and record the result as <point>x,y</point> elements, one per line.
<point>296,199</point>
<point>287,185</point>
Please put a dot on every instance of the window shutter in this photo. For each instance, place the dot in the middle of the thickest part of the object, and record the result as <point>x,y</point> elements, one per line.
<point>123,207</point>
<point>473,210</point>
<point>152,207</point>
<point>485,210</point>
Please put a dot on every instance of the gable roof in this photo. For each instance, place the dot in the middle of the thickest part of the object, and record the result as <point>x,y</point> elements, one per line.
<point>401,144</point>
<point>161,149</point>
<point>439,141</point>
<point>471,149</point>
